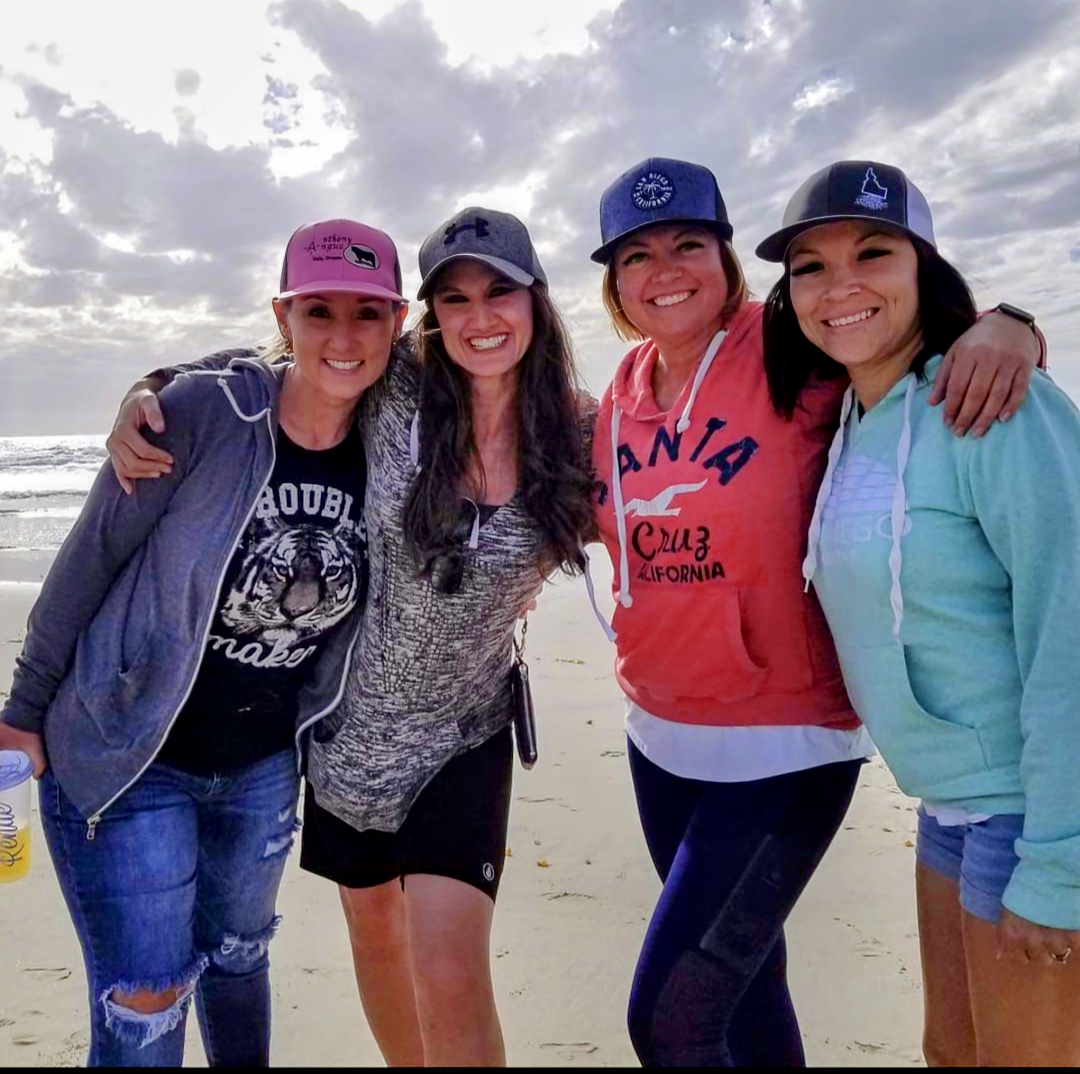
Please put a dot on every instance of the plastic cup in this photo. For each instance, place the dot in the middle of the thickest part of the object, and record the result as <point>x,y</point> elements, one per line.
<point>15,773</point>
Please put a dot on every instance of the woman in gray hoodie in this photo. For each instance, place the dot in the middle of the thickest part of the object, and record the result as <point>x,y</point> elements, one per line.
<point>185,639</point>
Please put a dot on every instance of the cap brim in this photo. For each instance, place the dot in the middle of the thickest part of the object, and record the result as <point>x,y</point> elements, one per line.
<point>774,248</point>
<point>503,267</point>
<point>368,290</point>
<point>602,255</point>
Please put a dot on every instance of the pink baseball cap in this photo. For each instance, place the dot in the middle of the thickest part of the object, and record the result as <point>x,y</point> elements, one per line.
<point>341,255</point>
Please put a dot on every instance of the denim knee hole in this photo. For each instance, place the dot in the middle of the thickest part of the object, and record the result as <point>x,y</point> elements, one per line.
<point>242,954</point>
<point>282,843</point>
<point>134,1027</point>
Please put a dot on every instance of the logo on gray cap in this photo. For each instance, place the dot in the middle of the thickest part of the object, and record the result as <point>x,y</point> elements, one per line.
<point>652,191</point>
<point>361,256</point>
<point>873,195</point>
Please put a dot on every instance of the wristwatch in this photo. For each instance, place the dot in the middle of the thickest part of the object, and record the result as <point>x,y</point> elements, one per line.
<point>1017,312</point>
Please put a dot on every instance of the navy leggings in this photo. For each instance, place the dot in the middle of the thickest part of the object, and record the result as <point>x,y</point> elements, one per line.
<point>711,983</point>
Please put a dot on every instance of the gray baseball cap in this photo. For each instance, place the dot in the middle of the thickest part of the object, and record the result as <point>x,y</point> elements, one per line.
<point>497,239</point>
<point>852,190</point>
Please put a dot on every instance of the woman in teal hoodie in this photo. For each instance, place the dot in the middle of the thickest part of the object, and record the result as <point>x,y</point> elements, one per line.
<point>949,571</point>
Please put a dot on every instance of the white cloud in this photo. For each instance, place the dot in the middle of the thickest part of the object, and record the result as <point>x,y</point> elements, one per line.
<point>148,178</point>
<point>821,93</point>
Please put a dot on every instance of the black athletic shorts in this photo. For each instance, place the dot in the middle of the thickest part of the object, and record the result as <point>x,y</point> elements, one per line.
<point>456,828</point>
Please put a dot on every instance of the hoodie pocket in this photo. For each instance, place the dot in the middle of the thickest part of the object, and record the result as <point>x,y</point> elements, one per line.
<point>691,648</point>
<point>930,756</point>
<point>111,695</point>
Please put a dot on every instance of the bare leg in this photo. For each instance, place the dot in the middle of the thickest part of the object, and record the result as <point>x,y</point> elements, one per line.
<point>949,1031</point>
<point>381,958</point>
<point>1025,1016</point>
<point>450,939</point>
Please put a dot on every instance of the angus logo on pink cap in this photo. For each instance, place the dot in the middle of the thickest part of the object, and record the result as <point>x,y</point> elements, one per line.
<point>361,256</point>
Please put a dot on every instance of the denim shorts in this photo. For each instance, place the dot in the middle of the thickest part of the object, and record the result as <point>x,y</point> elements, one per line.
<point>981,858</point>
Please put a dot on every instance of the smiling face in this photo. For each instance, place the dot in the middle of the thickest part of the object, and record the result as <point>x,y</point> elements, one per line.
<point>340,341</point>
<point>485,320</point>
<point>671,280</point>
<point>855,291</point>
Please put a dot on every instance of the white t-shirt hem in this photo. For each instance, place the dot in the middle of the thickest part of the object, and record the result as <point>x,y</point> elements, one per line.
<point>740,754</point>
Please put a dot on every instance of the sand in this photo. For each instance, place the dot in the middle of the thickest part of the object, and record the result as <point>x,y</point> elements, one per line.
<point>575,898</point>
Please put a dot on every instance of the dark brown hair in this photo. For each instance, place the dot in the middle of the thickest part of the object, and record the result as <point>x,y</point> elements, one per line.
<point>946,312</point>
<point>554,483</point>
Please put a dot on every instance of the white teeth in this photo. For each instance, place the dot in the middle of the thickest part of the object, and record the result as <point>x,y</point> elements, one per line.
<point>488,343</point>
<point>342,365</point>
<point>853,319</point>
<point>672,300</point>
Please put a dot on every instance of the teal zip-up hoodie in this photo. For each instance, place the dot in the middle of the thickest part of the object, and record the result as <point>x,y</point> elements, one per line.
<point>949,571</point>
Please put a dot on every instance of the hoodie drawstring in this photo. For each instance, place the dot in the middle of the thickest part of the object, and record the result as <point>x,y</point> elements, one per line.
<point>620,511</point>
<point>681,426</point>
<point>605,626</point>
<point>899,502</point>
<point>835,448</point>
<point>702,369</point>
<point>223,384</point>
<point>899,511</point>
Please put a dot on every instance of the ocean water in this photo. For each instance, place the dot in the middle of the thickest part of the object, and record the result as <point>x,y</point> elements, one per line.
<point>43,483</point>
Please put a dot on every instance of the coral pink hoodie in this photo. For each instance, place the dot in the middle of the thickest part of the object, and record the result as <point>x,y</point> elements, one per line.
<point>706,526</point>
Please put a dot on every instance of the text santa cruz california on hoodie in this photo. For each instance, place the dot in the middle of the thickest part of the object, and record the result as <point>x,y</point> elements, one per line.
<point>705,519</point>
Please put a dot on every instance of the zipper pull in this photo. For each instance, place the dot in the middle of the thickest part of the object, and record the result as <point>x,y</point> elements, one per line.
<point>91,828</point>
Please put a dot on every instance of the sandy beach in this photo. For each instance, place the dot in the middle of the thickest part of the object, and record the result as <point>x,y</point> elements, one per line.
<point>575,898</point>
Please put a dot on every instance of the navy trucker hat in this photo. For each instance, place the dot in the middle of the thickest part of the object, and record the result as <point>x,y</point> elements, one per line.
<point>660,191</point>
<point>497,239</point>
<point>852,190</point>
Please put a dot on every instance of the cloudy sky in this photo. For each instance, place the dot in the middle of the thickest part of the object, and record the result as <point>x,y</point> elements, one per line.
<point>154,157</point>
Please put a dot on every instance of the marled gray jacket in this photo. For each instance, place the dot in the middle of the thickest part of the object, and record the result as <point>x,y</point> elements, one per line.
<point>116,637</point>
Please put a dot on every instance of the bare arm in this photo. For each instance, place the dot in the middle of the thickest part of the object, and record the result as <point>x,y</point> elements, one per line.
<point>986,373</point>
<point>133,456</point>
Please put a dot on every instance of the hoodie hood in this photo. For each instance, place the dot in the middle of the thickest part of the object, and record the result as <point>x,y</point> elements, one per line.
<point>252,386</point>
<point>631,387</point>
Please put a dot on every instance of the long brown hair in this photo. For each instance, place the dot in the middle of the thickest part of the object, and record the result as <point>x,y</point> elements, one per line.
<point>554,482</point>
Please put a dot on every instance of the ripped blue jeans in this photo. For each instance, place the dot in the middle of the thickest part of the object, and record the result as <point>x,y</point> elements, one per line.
<point>177,892</point>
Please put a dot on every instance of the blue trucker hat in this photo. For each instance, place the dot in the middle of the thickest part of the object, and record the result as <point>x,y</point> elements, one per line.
<point>497,239</point>
<point>852,190</point>
<point>660,191</point>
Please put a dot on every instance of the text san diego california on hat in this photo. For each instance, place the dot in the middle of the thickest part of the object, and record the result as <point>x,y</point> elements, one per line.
<point>497,239</point>
<point>660,191</point>
<point>852,190</point>
<point>341,255</point>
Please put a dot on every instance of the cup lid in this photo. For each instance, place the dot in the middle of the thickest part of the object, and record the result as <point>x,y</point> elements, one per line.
<point>15,768</point>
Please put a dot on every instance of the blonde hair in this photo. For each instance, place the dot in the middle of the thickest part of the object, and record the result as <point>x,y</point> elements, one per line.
<point>626,330</point>
<point>274,348</point>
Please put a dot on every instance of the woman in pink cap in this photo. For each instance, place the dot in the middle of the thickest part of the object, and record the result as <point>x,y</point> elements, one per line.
<point>185,639</point>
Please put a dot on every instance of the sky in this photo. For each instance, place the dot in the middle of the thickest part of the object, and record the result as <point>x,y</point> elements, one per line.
<point>154,158</point>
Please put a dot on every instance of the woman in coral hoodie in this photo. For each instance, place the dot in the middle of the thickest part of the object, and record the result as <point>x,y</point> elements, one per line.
<point>743,746</point>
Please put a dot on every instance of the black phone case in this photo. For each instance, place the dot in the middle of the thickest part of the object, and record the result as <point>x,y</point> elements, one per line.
<point>524,720</point>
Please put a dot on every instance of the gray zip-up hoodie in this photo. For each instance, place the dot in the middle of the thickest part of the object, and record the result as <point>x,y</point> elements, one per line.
<point>116,637</point>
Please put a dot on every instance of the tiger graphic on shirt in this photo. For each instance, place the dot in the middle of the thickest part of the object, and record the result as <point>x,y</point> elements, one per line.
<point>296,580</point>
